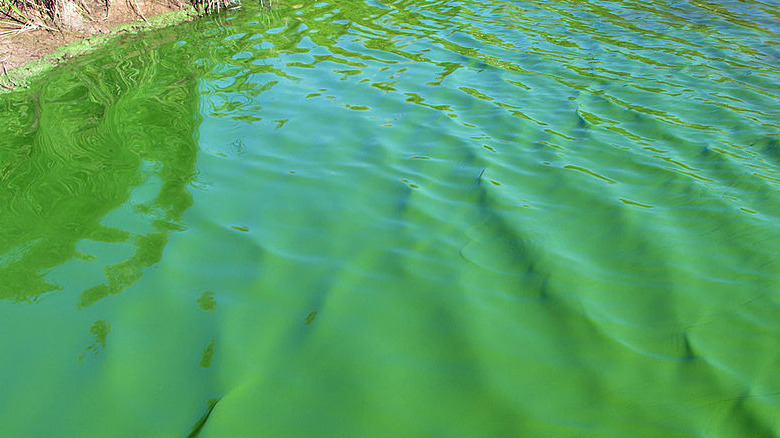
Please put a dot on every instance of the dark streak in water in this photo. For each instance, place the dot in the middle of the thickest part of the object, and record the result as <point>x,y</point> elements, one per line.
<point>202,420</point>
<point>479,178</point>
<point>310,317</point>
<point>638,204</point>
<point>208,355</point>
<point>589,172</point>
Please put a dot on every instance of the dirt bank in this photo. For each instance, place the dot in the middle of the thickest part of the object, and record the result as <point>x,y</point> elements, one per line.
<point>28,52</point>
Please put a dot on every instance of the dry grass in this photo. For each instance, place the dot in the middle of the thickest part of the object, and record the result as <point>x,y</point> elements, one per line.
<point>23,15</point>
<point>210,6</point>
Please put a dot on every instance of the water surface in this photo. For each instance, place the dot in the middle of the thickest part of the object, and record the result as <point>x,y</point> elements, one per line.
<point>400,218</point>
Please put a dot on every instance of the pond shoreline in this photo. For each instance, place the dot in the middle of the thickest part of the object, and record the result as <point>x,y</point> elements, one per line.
<point>27,54</point>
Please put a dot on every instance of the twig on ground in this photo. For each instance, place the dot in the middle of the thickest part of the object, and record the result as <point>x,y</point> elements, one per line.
<point>9,27</point>
<point>2,62</point>
<point>137,10</point>
<point>19,14</point>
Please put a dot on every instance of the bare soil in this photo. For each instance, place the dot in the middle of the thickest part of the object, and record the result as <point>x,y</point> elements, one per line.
<point>92,17</point>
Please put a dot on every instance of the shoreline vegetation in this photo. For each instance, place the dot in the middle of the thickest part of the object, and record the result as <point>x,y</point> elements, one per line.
<point>36,35</point>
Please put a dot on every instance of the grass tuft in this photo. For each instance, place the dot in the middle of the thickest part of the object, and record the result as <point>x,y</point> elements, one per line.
<point>22,15</point>
<point>211,6</point>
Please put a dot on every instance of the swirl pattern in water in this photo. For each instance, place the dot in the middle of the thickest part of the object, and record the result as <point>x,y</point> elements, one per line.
<point>403,218</point>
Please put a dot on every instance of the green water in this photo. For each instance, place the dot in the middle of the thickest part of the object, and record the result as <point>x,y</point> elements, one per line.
<point>358,218</point>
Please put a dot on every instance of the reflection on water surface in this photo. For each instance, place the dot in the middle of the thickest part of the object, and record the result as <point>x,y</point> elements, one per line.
<point>400,218</point>
<point>77,149</point>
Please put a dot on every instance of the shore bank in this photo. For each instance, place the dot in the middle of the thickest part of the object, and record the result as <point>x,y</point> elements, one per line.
<point>28,53</point>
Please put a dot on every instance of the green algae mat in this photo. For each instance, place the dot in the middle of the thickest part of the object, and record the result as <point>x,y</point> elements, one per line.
<point>364,218</point>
